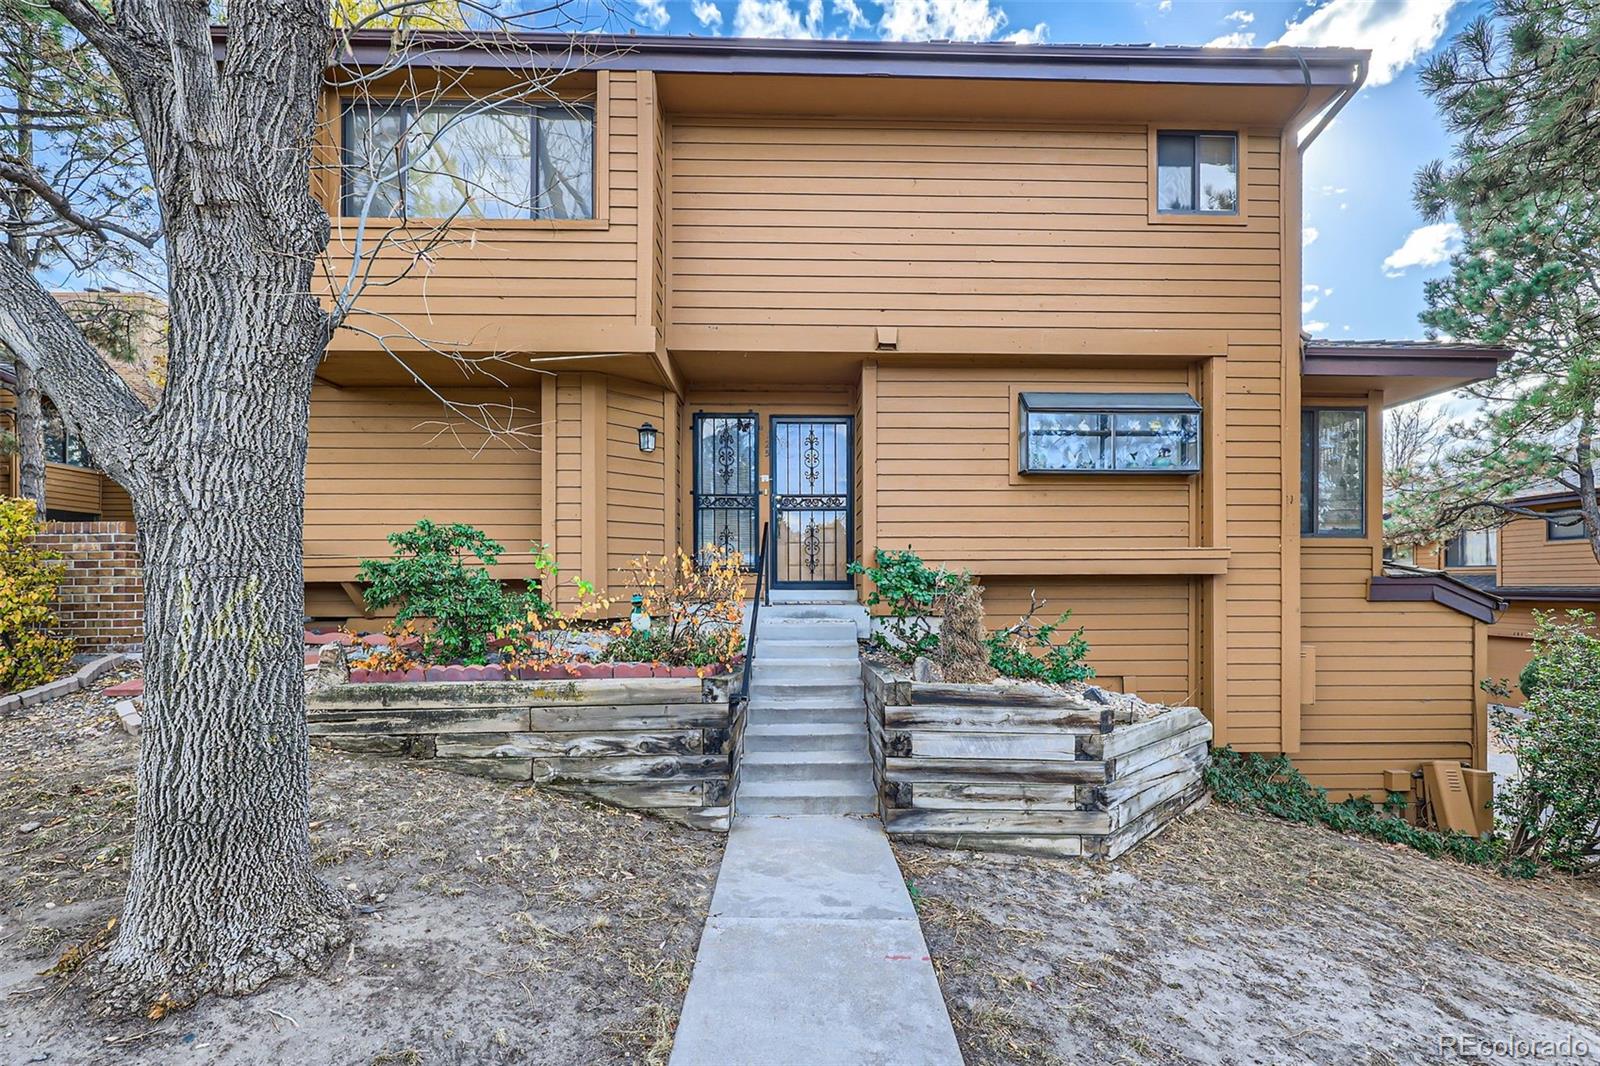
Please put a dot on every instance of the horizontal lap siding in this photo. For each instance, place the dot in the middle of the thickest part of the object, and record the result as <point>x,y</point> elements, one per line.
<point>115,504</point>
<point>381,458</point>
<point>636,484</point>
<point>1396,684</point>
<point>801,223</point>
<point>72,488</point>
<point>945,464</point>
<point>521,286</point>
<point>1527,557</point>
<point>1140,629</point>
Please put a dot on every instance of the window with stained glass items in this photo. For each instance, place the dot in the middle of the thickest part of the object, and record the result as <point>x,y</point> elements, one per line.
<point>1109,433</point>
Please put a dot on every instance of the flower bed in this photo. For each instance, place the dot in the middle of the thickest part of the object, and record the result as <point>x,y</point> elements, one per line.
<point>1029,768</point>
<point>666,745</point>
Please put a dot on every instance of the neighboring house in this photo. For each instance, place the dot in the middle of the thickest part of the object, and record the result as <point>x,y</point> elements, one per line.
<point>1033,311</point>
<point>130,329</point>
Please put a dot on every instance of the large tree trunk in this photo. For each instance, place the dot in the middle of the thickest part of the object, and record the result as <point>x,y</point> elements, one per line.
<point>222,894</point>
<point>30,436</point>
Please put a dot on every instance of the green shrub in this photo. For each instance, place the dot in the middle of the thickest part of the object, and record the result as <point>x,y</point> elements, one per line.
<point>1273,786</point>
<point>1551,809</point>
<point>430,577</point>
<point>29,653</point>
<point>914,594</point>
<point>1030,650</point>
<point>1528,681</point>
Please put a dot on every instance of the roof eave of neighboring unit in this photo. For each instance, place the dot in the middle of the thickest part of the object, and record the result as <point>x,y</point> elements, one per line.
<point>1396,359</point>
<point>1424,585</point>
<point>1548,593</point>
<point>1290,67</point>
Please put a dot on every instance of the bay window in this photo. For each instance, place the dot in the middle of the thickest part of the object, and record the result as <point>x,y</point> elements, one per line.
<point>1333,472</point>
<point>1109,433</point>
<point>469,160</point>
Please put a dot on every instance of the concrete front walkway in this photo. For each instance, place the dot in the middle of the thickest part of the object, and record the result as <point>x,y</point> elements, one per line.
<point>813,955</point>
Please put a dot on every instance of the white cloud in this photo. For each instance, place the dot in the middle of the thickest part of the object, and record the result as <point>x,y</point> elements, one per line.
<point>709,14</point>
<point>850,11</point>
<point>1397,31</point>
<point>1233,40</point>
<point>1164,6</point>
<point>1315,328</point>
<point>1425,246</point>
<point>775,18</point>
<point>1037,35</point>
<point>938,20</point>
<point>653,13</point>
<point>1308,305</point>
<point>1333,190</point>
<point>1242,17</point>
<point>1308,236</point>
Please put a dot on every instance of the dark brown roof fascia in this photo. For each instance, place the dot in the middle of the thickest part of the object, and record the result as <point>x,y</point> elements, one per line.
<point>1552,593</point>
<point>1421,360</point>
<point>1437,588</point>
<point>1289,67</point>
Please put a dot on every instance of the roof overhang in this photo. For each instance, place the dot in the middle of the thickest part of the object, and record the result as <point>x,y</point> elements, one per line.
<point>1548,593</point>
<point>1333,68</point>
<point>1406,585</point>
<point>1403,370</point>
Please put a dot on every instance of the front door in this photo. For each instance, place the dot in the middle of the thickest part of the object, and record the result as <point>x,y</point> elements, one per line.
<point>812,533</point>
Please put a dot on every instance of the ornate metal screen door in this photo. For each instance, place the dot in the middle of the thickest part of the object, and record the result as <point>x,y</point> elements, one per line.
<point>811,507</point>
<point>727,464</point>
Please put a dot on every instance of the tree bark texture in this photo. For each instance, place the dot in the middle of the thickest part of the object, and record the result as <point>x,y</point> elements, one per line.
<point>222,893</point>
<point>30,437</point>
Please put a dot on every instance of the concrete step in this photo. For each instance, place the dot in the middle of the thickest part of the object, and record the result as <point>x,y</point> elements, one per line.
<point>770,649</point>
<point>806,671</point>
<point>792,797</point>
<point>804,767</point>
<point>810,597</point>
<point>805,736</point>
<point>839,632</point>
<point>778,712</point>
<point>820,693</point>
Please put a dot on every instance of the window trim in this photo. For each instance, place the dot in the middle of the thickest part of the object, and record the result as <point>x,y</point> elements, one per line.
<point>1308,505</point>
<point>1550,527</point>
<point>1195,218</point>
<point>599,201</point>
<point>1108,403</point>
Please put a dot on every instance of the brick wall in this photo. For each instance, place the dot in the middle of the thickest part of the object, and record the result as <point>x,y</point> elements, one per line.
<point>101,603</point>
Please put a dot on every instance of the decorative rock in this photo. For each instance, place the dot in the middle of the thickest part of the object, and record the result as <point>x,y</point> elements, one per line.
<point>332,669</point>
<point>29,827</point>
<point>1097,694</point>
<point>926,670</point>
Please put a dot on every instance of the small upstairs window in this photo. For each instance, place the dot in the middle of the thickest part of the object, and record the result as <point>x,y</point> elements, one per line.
<point>1565,528</point>
<point>1333,472</point>
<point>1109,433</point>
<point>1472,547</point>
<point>61,445</point>
<point>469,160</point>
<point>1197,173</point>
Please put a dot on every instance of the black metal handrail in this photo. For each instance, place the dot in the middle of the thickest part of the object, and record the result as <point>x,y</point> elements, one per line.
<point>755,616</point>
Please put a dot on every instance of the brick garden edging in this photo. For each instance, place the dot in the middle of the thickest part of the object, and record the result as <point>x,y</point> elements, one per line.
<point>660,744</point>
<point>81,679</point>
<point>1025,768</point>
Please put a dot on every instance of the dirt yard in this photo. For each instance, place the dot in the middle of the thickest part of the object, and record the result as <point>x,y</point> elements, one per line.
<point>1240,939</point>
<point>498,924</point>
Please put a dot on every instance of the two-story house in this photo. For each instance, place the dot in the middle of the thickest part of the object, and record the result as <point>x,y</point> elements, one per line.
<point>1030,310</point>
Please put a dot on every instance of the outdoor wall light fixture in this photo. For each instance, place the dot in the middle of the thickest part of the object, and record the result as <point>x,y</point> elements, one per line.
<point>647,438</point>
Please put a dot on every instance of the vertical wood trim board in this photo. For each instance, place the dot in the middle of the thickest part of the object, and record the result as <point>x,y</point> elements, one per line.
<point>1289,243</point>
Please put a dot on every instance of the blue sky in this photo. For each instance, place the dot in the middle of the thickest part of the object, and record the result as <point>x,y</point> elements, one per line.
<point>1367,252</point>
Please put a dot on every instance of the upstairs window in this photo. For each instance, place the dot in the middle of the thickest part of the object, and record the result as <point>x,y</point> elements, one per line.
<point>60,444</point>
<point>1197,173</point>
<point>468,160</point>
<point>1472,547</point>
<point>1565,528</point>
<point>1333,472</point>
<point>1109,433</point>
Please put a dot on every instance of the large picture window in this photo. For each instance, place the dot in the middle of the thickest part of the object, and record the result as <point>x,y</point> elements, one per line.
<point>1333,472</point>
<point>1197,173</point>
<point>1109,433</point>
<point>506,161</point>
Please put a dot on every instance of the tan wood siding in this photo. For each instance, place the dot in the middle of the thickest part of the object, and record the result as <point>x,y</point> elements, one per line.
<point>115,505</point>
<point>1396,683</point>
<point>1528,557</point>
<point>1140,630</point>
<point>519,285</point>
<point>381,458</point>
<point>807,223</point>
<point>72,488</point>
<point>636,484</point>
